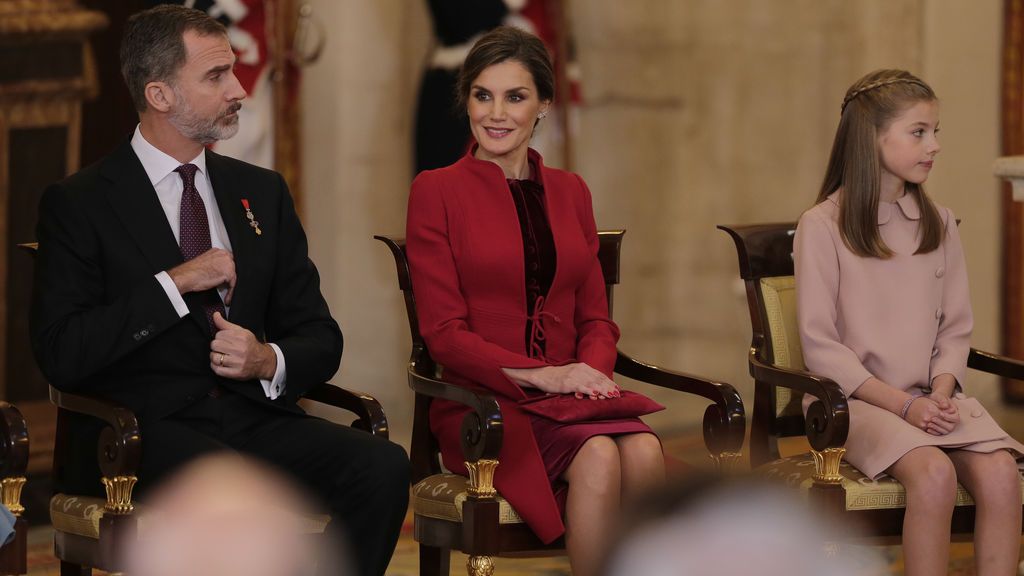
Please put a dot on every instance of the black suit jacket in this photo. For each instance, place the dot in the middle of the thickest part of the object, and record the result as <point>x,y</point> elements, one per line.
<point>101,323</point>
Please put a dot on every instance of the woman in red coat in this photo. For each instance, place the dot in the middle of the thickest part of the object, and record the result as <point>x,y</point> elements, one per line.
<point>503,255</point>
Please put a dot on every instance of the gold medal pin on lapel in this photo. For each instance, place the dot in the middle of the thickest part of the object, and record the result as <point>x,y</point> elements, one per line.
<point>253,223</point>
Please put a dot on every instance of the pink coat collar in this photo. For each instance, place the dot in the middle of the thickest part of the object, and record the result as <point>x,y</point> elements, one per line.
<point>906,204</point>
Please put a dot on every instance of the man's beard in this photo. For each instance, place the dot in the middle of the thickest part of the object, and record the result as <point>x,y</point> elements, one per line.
<point>206,131</point>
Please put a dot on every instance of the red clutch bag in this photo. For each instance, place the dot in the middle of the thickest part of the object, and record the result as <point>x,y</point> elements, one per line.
<point>566,408</point>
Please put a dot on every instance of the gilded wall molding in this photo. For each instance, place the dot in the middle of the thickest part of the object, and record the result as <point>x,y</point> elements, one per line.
<point>43,19</point>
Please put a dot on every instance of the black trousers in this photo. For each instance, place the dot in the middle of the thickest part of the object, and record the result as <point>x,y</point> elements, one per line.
<point>362,480</point>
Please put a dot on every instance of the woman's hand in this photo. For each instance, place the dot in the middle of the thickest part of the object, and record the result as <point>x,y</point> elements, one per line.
<point>577,378</point>
<point>934,418</point>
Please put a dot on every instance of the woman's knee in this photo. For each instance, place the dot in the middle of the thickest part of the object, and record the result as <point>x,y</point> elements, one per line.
<point>596,464</point>
<point>642,450</point>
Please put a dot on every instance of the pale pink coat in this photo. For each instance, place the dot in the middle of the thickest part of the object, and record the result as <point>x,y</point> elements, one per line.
<point>903,320</point>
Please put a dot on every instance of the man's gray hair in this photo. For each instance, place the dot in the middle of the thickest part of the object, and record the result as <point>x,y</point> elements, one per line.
<point>153,45</point>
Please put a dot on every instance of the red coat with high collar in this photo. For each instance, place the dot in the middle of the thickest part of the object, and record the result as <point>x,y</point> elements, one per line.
<point>465,254</point>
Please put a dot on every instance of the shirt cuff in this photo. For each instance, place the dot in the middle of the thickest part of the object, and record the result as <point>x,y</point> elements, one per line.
<point>172,294</point>
<point>274,388</point>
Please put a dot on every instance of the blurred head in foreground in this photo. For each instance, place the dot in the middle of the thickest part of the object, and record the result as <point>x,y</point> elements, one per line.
<point>226,515</point>
<point>726,527</point>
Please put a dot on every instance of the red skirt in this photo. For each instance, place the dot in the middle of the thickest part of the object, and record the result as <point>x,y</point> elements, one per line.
<point>559,442</point>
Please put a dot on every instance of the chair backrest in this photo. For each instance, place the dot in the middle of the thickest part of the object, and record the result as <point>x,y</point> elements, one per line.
<point>424,452</point>
<point>766,265</point>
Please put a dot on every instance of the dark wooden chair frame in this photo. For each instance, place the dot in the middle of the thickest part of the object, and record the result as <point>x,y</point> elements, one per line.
<point>765,251</point>
<point>480,535</point>
<point>13,464</point>
<point>119,450</point>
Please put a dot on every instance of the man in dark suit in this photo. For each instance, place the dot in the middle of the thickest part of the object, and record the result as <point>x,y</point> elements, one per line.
<point>177,282</point>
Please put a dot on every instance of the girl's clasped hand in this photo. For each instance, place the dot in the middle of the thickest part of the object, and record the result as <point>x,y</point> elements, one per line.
<point>936,414</point>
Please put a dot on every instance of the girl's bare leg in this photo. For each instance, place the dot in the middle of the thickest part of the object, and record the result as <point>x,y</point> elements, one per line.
<point>930,479</point>
<point>993,481</point>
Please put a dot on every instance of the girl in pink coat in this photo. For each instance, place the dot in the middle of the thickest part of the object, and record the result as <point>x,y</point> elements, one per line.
<point>883,309</point>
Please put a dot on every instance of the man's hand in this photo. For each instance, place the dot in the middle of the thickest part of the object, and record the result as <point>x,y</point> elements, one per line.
<point>235,352</point>
<point>211,269</point>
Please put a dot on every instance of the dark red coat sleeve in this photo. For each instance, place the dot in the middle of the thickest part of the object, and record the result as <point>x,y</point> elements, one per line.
<point>597,335</point>
<point>440,305</point>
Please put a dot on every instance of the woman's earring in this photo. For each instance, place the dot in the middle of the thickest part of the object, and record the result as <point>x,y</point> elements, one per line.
<point>542,115</point>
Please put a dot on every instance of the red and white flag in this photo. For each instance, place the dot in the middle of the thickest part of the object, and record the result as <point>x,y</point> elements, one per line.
<point>246,21</point>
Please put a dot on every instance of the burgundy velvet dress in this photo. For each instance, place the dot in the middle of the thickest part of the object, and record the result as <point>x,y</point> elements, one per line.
<point>558,442</point>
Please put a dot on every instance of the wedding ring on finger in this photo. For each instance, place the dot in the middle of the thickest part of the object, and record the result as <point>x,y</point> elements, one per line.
<point>220,359</point>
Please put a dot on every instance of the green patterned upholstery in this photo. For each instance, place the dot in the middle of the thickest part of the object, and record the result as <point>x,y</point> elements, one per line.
<point>441,496</point>
<point>779,294</point>
<point>81,515</point>
<point>862,493</point>
<point>77,514</point>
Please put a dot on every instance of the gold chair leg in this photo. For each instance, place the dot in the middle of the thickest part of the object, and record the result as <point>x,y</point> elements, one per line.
<point>826,465</point>
<point>479,566</point>
<point>727,462</point>
<point>831,550</point>
<point>119,494</point>
<point>481,478</point>
<point>10,488</point>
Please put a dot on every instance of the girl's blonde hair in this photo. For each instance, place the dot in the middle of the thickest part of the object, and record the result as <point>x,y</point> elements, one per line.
<point>855,164</point>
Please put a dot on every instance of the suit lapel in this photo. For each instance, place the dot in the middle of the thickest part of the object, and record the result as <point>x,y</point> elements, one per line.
<point>134,201</point>
<point>229,196</point>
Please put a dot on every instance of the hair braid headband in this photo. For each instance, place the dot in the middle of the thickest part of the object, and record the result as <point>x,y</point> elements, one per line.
<point>879,84</point>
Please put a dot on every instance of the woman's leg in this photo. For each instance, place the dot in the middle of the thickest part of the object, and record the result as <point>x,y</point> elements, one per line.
<point>592,505</point>
<point>643,463</point>
<point>930,480</point>
<point>993,481</point>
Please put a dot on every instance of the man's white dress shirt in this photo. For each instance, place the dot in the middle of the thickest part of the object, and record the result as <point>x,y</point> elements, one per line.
<point>161,171</point>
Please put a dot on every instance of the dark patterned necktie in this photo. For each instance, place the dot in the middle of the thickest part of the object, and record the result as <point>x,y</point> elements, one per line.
<point>194,232</point>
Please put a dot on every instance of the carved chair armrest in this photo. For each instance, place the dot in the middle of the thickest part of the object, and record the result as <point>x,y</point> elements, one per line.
<point>724,421</point>
<point>995,364</point>
<point>482,428</point>
<point>14,435</point>
<point>828,418</point>
<point>120,442</point>
<point>371,415</point>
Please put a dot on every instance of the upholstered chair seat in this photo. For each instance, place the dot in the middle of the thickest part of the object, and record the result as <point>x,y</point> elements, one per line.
<point>781,381</point>
<point>453,512</point>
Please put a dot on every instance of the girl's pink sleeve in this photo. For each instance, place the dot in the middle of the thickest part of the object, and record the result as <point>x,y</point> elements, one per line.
<point>953,340</point>
<point>816,261</point>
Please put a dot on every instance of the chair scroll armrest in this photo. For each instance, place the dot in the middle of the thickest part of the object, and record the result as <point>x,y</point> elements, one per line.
<point>828,418</point>
<point>13,461</point>
<point>724,421</point>
<point>482,428</point>
<point>995,364</point>
<point>14,436</point>
<point>371,415</point>
<point>120,441</point>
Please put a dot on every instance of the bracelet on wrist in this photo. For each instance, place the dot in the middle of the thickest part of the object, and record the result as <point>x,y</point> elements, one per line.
<point>906,406</point>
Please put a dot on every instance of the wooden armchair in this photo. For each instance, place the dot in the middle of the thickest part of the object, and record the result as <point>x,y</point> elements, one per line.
<point>467,514</point>
<point>781,380</point>
<point>13,462</point>
<point>88,531</point>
